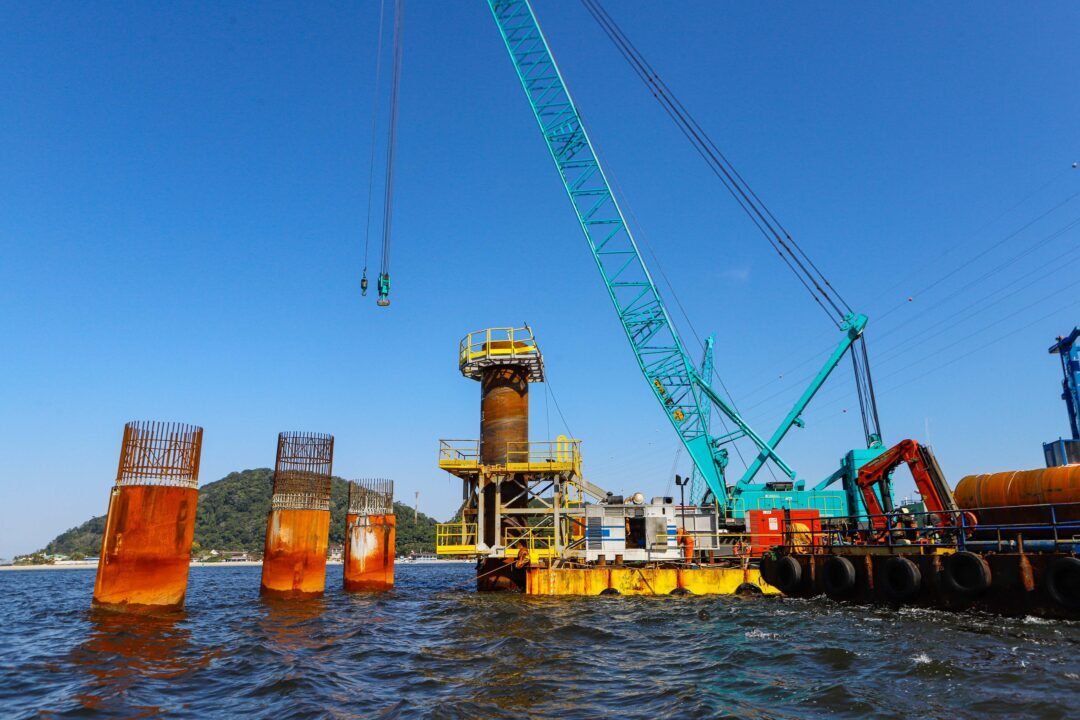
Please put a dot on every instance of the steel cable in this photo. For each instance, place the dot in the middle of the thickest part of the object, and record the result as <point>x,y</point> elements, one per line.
<point>374,132</point>
<point>388,205</point>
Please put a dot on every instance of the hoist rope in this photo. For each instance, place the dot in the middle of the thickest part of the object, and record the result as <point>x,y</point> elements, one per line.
<point>388,204</point>
<point>374,132</point>
<point>792,254</point>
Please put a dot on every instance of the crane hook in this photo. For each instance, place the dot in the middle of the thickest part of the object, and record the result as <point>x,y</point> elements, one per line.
<point>384,290</point>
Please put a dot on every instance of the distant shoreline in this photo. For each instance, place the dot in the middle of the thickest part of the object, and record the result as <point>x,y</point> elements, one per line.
<point>244,563</point>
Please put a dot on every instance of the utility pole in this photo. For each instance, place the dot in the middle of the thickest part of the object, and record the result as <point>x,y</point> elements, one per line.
<point>416,509</point>
<point>681,482</point>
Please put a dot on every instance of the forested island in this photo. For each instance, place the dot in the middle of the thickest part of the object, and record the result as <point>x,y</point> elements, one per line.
<point>231,517</point>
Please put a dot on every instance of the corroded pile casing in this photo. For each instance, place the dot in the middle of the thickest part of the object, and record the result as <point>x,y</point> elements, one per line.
<point>370,536</point>
<point>504,411</point>
<point>504,423</point>
<point>146,548</point>
<point>994,496</point>
<point>298,527</point>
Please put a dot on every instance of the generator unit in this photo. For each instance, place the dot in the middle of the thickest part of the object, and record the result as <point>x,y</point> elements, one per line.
<point>631,532</point>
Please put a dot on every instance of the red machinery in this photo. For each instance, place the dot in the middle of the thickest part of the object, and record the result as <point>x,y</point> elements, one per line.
<point>769,528</point>
<point>924,468</point>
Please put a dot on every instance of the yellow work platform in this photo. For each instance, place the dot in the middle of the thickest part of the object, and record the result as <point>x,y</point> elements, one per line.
<point>562,456</point>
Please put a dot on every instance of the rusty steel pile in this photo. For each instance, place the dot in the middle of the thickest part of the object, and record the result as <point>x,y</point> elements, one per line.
<point>151,518</point>
<point>369,535</point>
<point>146,548</point>
<point>298,527</point>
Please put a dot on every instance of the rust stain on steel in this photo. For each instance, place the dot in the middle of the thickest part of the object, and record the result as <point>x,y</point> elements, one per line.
<point>369,552</point>
<point>298,527</point>
<point>146,546</point>
<point>294,563</point>
<point>370,536</point>
<point>990,494</point>
<point>504,419</point>
<point>499,575</point>
<point>1027,574</point>
<point>504,411</point>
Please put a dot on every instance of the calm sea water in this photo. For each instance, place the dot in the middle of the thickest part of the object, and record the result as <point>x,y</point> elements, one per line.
<point>433,651</point>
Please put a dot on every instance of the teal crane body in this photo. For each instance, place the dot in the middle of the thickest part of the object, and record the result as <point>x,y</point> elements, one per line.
<point>685,393</point>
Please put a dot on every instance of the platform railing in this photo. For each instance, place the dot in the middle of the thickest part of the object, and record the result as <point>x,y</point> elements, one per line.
<point>502,342</point>
<point>459,452</point>
<point>539,540</point>
<point>562,452</point>
<point>1046,527</point>
<point>466,453</point>
<point>455,538</point>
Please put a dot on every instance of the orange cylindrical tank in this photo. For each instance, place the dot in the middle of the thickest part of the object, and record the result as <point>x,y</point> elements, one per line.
<point>146,549</point>
<point>294,564</point>
<point>369,552</point>
<point>1007,497</point>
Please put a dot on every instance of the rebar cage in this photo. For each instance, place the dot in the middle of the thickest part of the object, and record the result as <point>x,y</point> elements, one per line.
<point>373,496</point>
<point>302,471</point>
<point>160,453</point>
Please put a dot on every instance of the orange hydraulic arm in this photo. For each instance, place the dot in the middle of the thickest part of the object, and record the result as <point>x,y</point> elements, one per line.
<point>935,492</point>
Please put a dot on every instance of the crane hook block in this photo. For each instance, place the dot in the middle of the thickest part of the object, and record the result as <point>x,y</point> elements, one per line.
<point>363,285</point>
<point>384,290</point>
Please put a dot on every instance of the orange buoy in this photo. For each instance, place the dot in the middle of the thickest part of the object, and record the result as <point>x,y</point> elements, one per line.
<point>146,548</point>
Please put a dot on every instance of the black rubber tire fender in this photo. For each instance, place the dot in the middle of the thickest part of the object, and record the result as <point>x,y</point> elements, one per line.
<point>610,591</point>
<point>788,574</point>
<point>680,591</point>
<point>1062,582</point>
<point>748,589</point>
<point>901,579</point>
<point>966,574</point>
<point>768,568</point>
<point>838,577</point>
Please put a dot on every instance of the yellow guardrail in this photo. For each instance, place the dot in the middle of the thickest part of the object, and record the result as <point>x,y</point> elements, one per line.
<point>499,343</point>
<point>559,455</point>
<point>455,538</point>
<point>563,452</point>
<point>459,453</point>
<point>538,540</point>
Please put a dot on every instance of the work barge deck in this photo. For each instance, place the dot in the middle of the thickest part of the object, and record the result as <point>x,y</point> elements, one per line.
<point>536,525</point>
<point>949,561</point>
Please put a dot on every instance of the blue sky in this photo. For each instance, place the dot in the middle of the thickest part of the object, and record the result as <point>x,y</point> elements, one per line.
<point>184,196</point>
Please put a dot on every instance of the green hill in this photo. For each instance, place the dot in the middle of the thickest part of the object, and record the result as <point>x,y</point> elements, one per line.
<point>232,516</point>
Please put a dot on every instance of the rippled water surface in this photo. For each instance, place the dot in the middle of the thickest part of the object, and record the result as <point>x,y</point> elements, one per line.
<point>428,649</point>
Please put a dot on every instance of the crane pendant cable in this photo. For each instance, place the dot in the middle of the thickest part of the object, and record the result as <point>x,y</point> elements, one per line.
<point>374,136</point>
<point>383,283</point>
<point>781,241</point>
